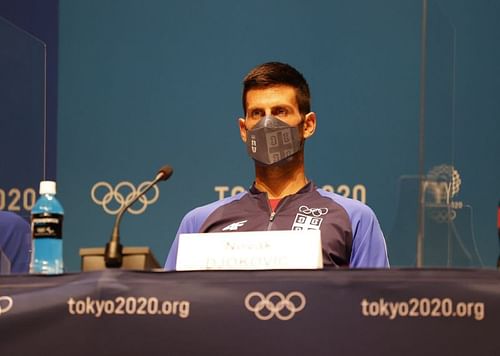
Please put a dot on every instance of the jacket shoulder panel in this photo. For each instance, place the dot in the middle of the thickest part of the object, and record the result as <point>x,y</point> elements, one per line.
<point>369,248</point>
<point>192,223</point>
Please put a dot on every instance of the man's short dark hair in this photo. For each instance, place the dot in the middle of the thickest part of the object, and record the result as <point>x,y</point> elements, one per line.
<point>275,73</point>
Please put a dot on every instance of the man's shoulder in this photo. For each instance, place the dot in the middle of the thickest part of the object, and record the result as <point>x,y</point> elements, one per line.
<point>369,249</point>
<point>12,220</point>
<point>353,207</point>
<point>201,213</point>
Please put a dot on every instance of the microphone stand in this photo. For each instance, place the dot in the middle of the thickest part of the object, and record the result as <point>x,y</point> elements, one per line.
<point>113,253</point>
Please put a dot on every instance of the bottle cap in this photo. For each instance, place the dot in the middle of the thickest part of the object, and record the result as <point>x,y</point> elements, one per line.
<point>48,187</point>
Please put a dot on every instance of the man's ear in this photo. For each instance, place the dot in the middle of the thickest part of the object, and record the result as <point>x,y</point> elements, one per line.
<point>309,125</point>
<point>243,129</point>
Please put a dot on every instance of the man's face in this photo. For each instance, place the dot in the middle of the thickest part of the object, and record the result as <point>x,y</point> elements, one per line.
<point>279,101</point>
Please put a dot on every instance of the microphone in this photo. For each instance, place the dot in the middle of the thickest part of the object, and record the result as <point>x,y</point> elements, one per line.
<point>113,255</point>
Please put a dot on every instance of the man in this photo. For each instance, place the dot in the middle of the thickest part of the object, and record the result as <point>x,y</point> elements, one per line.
<point>278,119</point>
<point>15,241</point>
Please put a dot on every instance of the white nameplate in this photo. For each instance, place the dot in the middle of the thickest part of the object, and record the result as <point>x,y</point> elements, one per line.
<point>253,250</point>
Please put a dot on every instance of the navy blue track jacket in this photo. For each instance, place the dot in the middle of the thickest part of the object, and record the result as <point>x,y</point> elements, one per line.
<point>350,233</point>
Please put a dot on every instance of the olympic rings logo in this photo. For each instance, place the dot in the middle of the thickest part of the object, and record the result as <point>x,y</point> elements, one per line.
<point>124,198</point>
<point>4,308</point>
<point>275,304</point>
<point>443,215</point>
<point>316,212</point>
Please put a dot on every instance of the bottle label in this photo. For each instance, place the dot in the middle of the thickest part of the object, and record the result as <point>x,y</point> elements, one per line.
<point>47,225</point>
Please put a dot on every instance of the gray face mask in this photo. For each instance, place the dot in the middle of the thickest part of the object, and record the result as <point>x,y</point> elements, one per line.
<point>272,140</point>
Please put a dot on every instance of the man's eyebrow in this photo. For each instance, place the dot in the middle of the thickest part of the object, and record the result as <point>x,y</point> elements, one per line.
<point>286,106</point>
<point>261,107</point>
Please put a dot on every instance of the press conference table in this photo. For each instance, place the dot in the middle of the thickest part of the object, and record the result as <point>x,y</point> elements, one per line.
<point>326,312</point>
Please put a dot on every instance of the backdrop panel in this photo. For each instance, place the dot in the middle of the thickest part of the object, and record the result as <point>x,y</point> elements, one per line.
<point>144,84</point>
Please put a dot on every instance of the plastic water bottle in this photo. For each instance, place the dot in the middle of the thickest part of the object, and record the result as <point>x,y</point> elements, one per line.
<point>46,222</point>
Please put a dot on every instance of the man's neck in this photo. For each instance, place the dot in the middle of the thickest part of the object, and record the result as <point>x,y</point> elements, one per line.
<point>281,180</point>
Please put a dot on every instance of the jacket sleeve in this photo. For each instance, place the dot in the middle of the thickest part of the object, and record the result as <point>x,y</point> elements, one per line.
<point>188,225</point>
<point>368,249</point>
<point>15,241</point>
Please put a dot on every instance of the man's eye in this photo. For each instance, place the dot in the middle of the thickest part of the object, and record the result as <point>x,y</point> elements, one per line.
<point>256,114</point>
<point>280,112</point>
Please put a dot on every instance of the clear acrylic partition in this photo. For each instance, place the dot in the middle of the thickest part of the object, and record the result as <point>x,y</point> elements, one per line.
<point>22,117</point>
<point>433,228</point>
<point>448,234</point>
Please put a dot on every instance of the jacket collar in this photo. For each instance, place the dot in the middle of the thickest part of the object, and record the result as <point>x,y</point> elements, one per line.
<point>310,186</point>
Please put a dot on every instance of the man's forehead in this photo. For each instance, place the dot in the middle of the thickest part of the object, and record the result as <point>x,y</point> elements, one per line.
<point>271,96</point>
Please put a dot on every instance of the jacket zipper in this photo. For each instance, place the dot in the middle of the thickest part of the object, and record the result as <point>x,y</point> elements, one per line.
<point>273,214</point>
